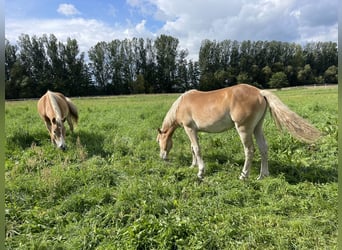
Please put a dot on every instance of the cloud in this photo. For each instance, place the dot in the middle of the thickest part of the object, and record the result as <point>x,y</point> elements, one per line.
<point>67,10</point>
<point>87,32</point>
<point>282,20</point>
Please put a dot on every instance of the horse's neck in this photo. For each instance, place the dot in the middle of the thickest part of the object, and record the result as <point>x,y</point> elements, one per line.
<point>55,106</point>
<point>170,129</point>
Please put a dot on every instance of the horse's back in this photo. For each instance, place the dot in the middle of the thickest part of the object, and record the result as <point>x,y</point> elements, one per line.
<point>51,101</point>
<point>223,107</point>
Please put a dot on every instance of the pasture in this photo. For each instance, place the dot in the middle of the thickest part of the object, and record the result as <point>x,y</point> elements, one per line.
<point>110,189</point>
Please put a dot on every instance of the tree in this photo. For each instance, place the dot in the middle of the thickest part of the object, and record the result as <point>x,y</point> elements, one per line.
<point>77,79</point>
<point>305,75</point>
<point>13,71</point>
<point>330,75</point>
<point>243,77</point>
<point>138,86</point>
<point>266,73</point>
<point>182,78</point>
<point>278,80</point>
<point>33,58</point>
<point>193,74</point>
<point>140,65</point>
<point>166,53</point>
<point>99,64</point>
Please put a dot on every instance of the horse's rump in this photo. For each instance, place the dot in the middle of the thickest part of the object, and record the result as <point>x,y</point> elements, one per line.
<point>72,110</point>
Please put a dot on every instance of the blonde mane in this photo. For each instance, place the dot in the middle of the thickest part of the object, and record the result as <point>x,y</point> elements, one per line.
<point>170,119</point>
<point>54,105</point>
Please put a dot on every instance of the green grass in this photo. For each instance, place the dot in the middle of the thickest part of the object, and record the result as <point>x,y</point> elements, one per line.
<point>110,190</point>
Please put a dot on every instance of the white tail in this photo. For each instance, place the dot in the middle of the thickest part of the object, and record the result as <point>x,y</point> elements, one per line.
<point>284,117</point>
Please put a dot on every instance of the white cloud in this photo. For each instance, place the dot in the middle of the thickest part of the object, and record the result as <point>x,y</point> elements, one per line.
<point>283,20</point>
<point>67,9</point>
<point>87,32</point>
<point>140,27</point>
<point>193,21</point>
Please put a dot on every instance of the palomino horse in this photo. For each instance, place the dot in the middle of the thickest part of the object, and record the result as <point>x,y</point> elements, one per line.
<point>242,106</point>
<point>54,108</point>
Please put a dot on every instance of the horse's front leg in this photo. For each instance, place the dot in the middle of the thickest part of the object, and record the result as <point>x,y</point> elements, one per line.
<point>194,158</point>
<point>48,126</point>
<point>196,152</point>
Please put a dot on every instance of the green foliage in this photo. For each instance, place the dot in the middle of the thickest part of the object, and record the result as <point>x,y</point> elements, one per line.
<point>256,61</point>
<point>330,75</point>
<point>138,65</point>
<point>110,190</point>
<point>278,80</point>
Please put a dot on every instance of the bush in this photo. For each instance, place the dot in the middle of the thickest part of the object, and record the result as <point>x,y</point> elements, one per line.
<point>278,80</point>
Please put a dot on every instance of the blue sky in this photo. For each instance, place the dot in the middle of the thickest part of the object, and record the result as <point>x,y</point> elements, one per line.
<point>191,21</point>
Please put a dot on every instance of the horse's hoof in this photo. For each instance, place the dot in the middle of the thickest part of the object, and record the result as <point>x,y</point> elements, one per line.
<point>262,177</point>
<point>243,177</point>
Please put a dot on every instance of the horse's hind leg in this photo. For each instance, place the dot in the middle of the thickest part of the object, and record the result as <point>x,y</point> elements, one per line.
<point>247,141</point>
<point>263,148</point>
<point>71,125</point>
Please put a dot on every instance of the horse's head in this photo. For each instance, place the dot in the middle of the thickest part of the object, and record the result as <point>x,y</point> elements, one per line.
<point>58,133</point>
<point>165,143</point>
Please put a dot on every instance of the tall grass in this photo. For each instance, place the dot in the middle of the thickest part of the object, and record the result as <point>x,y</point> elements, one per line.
<point>110,190</point>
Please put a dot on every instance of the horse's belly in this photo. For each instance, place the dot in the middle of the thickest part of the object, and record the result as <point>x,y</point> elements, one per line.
<point>216,126</point>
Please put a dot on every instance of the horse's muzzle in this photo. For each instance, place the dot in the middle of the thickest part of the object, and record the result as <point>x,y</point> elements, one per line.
<point>163,155</point>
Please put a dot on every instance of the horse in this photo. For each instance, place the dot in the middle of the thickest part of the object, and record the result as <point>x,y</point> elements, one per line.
<point>54,108</point>
<point>241,106</point>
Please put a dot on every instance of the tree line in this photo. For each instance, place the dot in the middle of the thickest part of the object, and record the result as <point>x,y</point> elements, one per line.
<point>35,64</point>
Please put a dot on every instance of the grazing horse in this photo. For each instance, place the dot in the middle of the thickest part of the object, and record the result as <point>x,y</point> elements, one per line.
<point>54,108</point>
<point>241,106</point>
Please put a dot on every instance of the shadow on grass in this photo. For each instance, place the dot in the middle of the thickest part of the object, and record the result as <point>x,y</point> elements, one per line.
<point>296,174</point>
<point>92,141</point>
<point>24,139</point>
<point>293,174</point>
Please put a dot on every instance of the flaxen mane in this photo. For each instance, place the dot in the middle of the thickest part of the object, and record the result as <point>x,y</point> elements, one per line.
<point>170,117</point>
<point>54,105</point>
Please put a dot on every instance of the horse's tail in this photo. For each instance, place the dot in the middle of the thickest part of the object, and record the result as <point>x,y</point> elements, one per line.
<point>284,117</point>
<point>73,110</point>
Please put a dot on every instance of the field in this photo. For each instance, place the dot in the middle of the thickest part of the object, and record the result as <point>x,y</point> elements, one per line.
<point>110,190</point>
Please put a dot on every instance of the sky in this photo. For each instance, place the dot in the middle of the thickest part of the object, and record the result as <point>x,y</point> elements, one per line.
<point>190,21</point>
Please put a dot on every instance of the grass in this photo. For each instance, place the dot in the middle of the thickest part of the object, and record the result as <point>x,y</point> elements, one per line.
<point>110,190</point>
